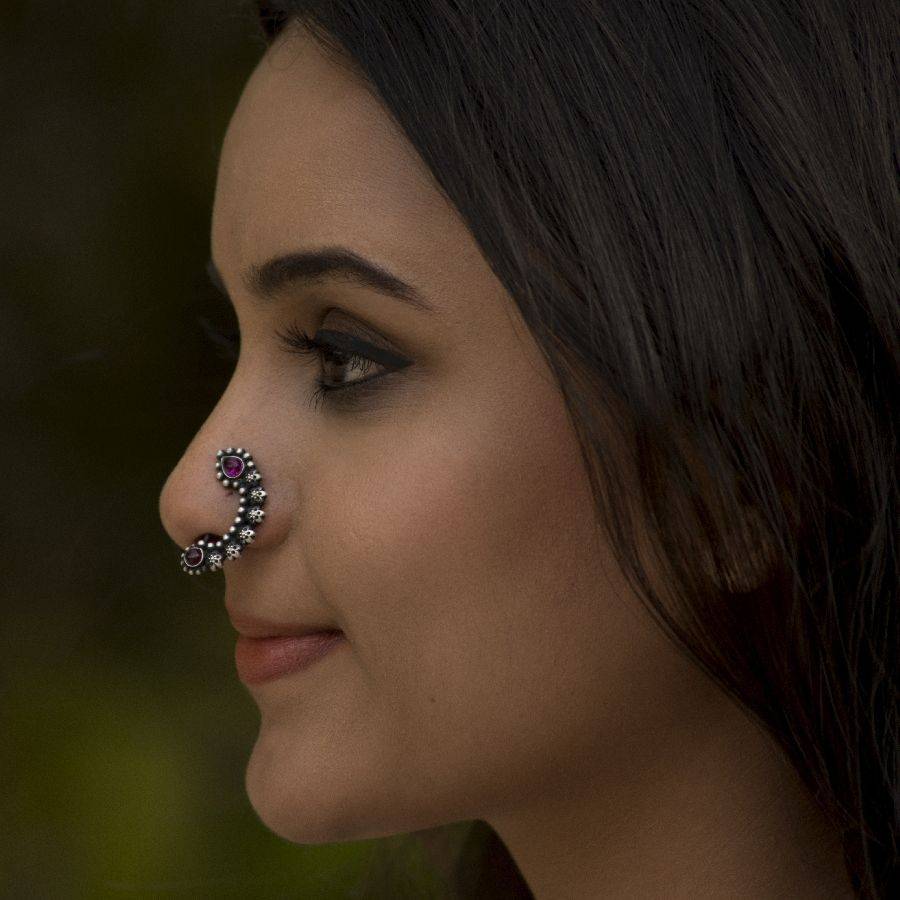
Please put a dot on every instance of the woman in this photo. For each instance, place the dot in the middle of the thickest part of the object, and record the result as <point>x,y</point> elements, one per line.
<point>596,505</point>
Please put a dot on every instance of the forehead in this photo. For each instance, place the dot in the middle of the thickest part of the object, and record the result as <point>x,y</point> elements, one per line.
<point>311,158</point>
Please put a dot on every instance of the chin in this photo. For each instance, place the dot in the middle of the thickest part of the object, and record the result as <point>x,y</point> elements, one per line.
<point>309,802</point>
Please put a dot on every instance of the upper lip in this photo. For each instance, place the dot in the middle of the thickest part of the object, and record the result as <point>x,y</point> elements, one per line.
<point>251,626</point>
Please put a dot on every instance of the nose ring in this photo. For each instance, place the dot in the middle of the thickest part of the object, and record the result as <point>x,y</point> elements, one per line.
<point>237,471</point>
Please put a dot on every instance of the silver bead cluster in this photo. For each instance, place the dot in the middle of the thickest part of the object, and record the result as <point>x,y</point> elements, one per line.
<point>209,552</point>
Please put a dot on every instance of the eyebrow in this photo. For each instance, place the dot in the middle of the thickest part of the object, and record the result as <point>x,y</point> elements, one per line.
<point>265,281</point>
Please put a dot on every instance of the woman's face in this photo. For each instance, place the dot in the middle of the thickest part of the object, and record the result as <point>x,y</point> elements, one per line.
<point>494,657</point>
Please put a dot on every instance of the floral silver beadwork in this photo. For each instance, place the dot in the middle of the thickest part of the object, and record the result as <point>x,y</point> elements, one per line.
<point>237,471</point>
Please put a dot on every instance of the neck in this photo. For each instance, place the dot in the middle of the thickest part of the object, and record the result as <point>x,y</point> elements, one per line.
<point>709,807</point>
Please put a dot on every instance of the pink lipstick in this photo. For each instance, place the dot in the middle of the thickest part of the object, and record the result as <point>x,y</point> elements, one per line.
<point>265,658</point>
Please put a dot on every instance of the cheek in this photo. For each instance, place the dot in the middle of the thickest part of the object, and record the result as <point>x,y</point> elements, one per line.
<point>464,568</point>
<point>440,536</point>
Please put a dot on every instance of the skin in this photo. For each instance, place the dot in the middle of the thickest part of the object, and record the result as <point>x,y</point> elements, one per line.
<point>497,665</point>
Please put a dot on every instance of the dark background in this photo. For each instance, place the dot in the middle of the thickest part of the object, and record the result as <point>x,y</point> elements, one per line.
<point>124,731</point>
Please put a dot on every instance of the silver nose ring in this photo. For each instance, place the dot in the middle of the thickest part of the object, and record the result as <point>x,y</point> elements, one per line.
<point>237,471</point>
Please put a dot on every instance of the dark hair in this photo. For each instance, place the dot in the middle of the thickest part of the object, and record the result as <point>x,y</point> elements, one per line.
<point>695,207</point>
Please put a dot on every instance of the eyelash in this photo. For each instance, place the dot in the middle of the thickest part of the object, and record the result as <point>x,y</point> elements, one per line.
<point>296,340</point>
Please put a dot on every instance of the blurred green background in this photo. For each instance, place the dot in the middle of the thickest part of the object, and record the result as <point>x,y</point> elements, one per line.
<point>125,731</point>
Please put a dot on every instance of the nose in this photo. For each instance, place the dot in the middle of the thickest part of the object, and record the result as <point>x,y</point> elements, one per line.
<point>192,501</point>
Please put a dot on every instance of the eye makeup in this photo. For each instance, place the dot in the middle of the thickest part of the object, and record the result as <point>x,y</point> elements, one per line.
<point>342,349</point>
<point>333,348</point>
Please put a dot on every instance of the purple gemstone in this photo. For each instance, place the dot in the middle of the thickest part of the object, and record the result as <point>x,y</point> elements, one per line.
<point>193,556</point>
<point>232,466</point>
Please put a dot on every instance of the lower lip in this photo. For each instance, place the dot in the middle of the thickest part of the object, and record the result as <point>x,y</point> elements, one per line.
<point>262,659</point>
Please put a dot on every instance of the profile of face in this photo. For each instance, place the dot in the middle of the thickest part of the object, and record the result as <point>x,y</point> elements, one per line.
<point>495,660</point>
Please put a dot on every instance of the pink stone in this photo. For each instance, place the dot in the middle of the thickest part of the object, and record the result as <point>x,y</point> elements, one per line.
<point>193,556</point>
<point>232,466</point>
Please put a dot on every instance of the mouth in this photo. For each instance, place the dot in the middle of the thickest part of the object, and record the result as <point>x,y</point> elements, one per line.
<point>264,659</point>
<point>252,627</point>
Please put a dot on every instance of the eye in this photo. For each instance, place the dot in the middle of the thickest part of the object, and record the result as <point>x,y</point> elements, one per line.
<point>345,351</point>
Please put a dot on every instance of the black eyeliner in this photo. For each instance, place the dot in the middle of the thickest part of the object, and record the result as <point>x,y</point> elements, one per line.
<point>347,343</point>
